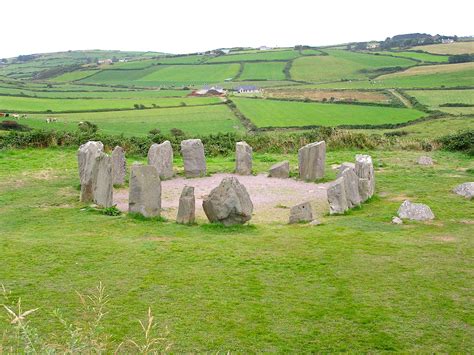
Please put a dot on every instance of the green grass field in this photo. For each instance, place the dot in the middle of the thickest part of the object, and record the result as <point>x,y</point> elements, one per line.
<point>424,57</point>
<point>273,113</point>
<point>434,98</point>
<point>262,55</point>
<point>191,119</point>
<point>263,71</point>
<point>356,283</point>
<point>73,76</point>
<point>28,104</point>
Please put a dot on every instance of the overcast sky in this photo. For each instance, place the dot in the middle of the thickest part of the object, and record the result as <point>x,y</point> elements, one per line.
<point>178,26</point>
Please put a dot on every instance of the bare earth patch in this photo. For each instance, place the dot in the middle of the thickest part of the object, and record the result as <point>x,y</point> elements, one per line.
<point>267,194</point>
<point>319,95</point>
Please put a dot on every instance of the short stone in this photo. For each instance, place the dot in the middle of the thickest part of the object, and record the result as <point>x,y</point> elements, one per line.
<point>243,158</point>
<point>337,197</point>
<point>301,213</point>
<point>345,166</point>
<point>229,203</point>
<point>102,184</point>
<point>466,190</point>
<point>415,211</point>
<point>397,220</point>
<point>351,187</point>
<point>311,160</point>
<point>280,170</point>
<point>187,206</point>
<point>424,160</point>
<point>144,191</point>
<point>193,158</point>
<point>86,159</point>
<point>119,166</point>
<point>161,157</point>
<point>315,222</point>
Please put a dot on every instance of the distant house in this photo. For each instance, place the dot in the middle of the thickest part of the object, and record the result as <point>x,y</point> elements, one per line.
<point>246,89</point>
<point>209,91</point>
<point>373,45</point>
<point>447,40</point>
<point>104,61</point>
<point>264,48</point>
<point>225,51</point>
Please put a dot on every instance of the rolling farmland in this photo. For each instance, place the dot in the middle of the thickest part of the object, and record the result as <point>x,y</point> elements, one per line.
<point>263,71</point>
<point>448,48</point>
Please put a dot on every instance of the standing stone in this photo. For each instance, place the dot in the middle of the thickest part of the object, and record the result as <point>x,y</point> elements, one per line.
<point>424,160</point>
<point>243,158</point>
<point>311,159</point>
<point>280,170</point>
<point>187,206</point>
<point>145,191</point>
<point>86,155</point>
<point>351,187</point>
<point>119,166</point>
<point>345,166</point>
<point>466,190</point>
<point>337,197</point>
<point>229,203</point>
<point>161,157</point>
<point>193,157</point>
<point>364,169</point>
<point>102,184</point>
<point>301,213</point>
<point>415,211</point>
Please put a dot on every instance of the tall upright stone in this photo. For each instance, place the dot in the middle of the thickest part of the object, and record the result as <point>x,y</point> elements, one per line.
<point>144,191</point>
<point>187,206</point>
<point>351,187</point>
<point>86,159</point>
<point>161,157</point>
<point>364,169</point>
<point>102,181</point>
<point>119,166</point>
<point>193,157</point>
<point>243,158</point>
<point>337,197</point>
<point>311,159</point>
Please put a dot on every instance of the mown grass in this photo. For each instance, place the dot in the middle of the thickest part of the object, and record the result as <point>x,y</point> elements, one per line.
<point>448,48</point>
<point>273,113</point>
<point>356,283</point>
<point>263,71</point>
<point>192,120</point>
<point>435,98</point>
<point>260,55</point>
<point>424,57</point>
<point>73,76</point>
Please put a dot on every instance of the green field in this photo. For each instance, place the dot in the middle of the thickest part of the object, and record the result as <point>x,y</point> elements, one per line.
<point>191,119</point>
<point>434,98</point>
<point>263,71</point>
<point>28,104</point>
<point>262,55</point>
<point>354,284</point>
<point>74,76</point>
<point>274,113</point>
<point>126,77</point>
<point>424,57</point>
<point>448,48</point>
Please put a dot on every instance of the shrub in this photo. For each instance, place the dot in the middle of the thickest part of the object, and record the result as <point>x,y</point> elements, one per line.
<point>462,141</point>
<point>176,132</point>
<point>13,126</point>
<point>87,127</point>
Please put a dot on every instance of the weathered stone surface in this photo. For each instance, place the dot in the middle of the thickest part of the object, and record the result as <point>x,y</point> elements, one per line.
<point>351,187</point>
<point>102,184</point>
<point>311,159</point>
<point>364,169</point>
<point>301,213</point>
<point>193,157</point>
<point>280,170</point>
<point>243,158</point>
<point>345,166</point>
<point>229,203</point>
<point>424,160</point>
<point>119,166</point>
<point>337,197</point>
<point>86,155</point>
<point>161,157</point>
<point>397,220</point>
<point>466,190</point>
<point>187,206</point>
<point>315,222</point>
<point>145,191</point>
<point>415,211</point>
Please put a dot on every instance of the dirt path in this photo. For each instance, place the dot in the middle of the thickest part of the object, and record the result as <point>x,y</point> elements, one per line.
<point>402,98</point>
<point>271,197</point>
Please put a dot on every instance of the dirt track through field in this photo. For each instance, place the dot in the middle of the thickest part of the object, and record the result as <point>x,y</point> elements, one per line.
<point>271,197</point>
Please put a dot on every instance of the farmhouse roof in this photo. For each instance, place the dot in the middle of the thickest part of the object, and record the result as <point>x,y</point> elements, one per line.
<point>246,88</point>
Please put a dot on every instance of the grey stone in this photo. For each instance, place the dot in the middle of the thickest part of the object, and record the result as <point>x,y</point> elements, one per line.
<point>119,166</point>
<point>415,211</point>
<point>397,220</point>
<point>280,170</point>
<point>466,190</point>
<point>86,159</point>
<point>228,203</point>
<point>337,197</point>
<point>351,187</point>
<point>161,157</point>
<point>345,166</point>
<point>315,222</point>
<point>193,157</point>
<point>311,160</point>
<point>424,160</point>
<point>102,184</point>
<point>243,158</point>
<point>187,206</point>
<point>145,191</point>
<point>364,169</point>
<point>301,213</point>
